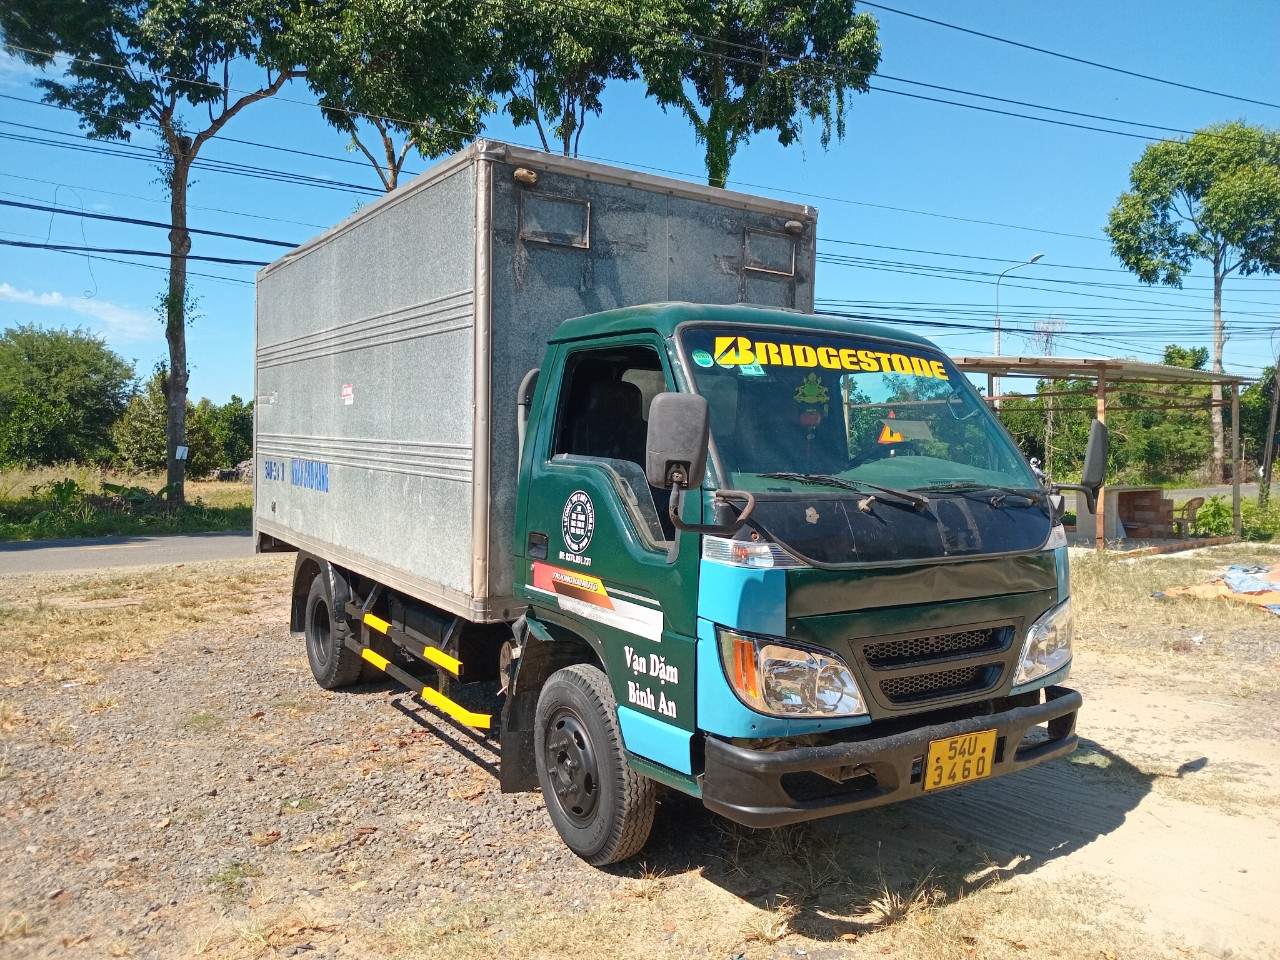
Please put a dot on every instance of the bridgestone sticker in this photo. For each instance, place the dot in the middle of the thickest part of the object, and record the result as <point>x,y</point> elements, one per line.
<point>751,356</point>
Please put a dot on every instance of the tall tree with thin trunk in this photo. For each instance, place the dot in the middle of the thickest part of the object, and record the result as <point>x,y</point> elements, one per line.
<point>749,66</point>
<point>559,57</point>
<point>399,76</point>
<point>1213,197</point>
<point>174,66</point>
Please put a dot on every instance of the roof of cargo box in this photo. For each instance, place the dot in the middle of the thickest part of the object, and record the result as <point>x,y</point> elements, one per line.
<point>663,318</point>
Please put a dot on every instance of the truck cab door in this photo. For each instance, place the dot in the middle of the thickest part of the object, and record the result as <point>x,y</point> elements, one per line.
<point>596,537</point>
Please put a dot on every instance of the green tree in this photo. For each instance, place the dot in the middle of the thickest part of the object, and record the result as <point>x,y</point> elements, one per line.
<point>166,63</point>
<point>231,428</point>
<point>140,436</point>
<point>60,392</point>
<point>1213,197</point>
<point>561,56</point>
<point>763,65</point>
<point>398,75</point>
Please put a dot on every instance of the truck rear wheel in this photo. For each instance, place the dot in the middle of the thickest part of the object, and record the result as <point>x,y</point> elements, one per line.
<point>333,664</point>
<point>602,808</point>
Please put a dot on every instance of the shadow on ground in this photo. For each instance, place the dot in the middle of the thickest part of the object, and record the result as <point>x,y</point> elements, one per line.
<point>943,846</point>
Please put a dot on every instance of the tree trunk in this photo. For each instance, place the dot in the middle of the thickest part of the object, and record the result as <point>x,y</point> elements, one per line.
<point>175,328</point>
<point>1219,435</point>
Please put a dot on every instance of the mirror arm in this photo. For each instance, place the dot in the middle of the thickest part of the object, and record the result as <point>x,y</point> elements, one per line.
<point>728,529</point>
<point>1090,493</point>
<point>721,529</point>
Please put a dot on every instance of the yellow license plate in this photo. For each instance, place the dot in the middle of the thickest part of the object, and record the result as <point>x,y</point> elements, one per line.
<point>958,760</point>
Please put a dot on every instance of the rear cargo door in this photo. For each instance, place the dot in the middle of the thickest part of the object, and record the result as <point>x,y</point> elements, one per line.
<point>598,537</point>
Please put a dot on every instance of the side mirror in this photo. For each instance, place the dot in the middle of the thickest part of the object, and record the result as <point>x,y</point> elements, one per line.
<point>676,450</point>
<point>1095,457</point>
<point>1094,472</point>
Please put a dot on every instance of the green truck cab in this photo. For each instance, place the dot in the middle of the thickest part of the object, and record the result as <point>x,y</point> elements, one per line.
<point>861,597</point>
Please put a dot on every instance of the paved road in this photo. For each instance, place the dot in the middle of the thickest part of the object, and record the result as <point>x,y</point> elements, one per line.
<point>1224,491</point>
<point>46,556</point>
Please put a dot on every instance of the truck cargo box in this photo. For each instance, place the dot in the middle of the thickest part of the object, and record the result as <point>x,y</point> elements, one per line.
<point>391,347</point>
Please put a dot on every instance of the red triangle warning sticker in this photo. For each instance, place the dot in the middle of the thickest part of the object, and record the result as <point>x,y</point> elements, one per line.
<point>892,414</point>
<point>889,436</point>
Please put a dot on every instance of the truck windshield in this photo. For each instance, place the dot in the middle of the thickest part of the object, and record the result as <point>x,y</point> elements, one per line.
<point>818,405</point>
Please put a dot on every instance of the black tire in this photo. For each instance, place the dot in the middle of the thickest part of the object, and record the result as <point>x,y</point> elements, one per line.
<point>333,663</point>
<point>601,808</point>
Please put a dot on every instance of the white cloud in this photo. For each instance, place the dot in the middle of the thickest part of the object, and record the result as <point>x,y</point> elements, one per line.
<point>18,73</point>
<point>116,321</point>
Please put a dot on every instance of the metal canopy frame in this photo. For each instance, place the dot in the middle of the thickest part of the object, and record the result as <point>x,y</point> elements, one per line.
<point>1112,376</point>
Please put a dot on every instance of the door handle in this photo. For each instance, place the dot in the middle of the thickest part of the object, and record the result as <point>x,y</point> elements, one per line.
<point>537,545</point>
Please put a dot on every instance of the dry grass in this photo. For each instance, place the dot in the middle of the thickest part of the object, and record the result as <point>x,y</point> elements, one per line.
<point>1077,919</point>
<point>14,925</point>
<point>1116,612</point>
<point>16,484</point>
<point>60,626</point>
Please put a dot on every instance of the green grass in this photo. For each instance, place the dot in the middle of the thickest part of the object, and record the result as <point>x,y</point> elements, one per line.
<point>70,501</point>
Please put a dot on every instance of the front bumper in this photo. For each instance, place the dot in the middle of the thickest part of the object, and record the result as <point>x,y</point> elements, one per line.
<point>768,789</point>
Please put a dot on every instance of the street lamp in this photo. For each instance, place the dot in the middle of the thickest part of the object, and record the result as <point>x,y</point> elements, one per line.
<point>995,381</point>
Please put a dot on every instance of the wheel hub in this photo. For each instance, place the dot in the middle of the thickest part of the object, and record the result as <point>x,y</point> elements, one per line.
<point>571,763</point>
<point>321,634</point>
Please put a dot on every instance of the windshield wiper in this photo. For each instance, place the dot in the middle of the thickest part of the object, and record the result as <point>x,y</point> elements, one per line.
<point>959,486</point>
<point>826,479</point>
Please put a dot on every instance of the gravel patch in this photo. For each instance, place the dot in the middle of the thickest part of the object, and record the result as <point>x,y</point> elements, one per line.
<point>211,798</point>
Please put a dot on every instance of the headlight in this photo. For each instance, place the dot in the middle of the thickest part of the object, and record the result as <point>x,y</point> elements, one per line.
<point>1048,645</point>
<point>786,681</point>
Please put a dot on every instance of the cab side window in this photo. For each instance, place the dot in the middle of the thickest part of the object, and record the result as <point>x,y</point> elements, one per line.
<point>603,416</point>
<point>605,407</point>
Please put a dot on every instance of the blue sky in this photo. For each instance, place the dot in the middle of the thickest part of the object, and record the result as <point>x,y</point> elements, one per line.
<point>945,185</point>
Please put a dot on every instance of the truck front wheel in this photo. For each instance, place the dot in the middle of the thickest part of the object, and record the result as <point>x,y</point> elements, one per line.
<point>600,806</point>
<point>333,664</point>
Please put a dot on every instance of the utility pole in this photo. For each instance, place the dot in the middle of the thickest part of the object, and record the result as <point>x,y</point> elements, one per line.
<point>995,399</point>
<point>1046,331</point>
<point>1268,450</point>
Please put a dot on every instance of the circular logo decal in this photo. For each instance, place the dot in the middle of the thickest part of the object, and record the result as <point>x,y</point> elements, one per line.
<point>578,522</point>
<point>702,358</point>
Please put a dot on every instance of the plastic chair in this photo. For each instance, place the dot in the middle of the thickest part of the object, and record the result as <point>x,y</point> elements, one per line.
<point>1184,518</point>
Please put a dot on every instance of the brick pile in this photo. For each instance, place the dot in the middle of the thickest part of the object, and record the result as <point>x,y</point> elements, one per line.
<point>1146,514</point>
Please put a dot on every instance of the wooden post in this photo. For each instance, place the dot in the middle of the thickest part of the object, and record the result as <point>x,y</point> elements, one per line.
<point>1235,459</point>
<point>1100,527</point>
<point>991,390</point>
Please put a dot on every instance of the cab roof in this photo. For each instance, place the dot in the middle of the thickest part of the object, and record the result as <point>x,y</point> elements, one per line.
<point>663,318</point>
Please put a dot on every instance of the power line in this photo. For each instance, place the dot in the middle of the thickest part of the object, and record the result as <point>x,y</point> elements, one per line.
<point>129,151</point>
<point>221,138</point>
<point>958,275</point>
<point>1047,264</point>
<point>151,266</point>
<point>144,223</point>
<point>1065,56</point>
<point>135,196</point>
<point>131,253</point>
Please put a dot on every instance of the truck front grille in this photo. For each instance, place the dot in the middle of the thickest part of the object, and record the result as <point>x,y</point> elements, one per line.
<point>931,686</point>
<point>915,672</point>
<point>891,653</point>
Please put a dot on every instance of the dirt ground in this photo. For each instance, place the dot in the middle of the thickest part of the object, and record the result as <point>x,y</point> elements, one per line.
<point>200,796</point>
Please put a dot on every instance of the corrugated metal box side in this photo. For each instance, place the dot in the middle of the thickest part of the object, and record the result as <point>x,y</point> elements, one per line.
<point>365,386</point>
